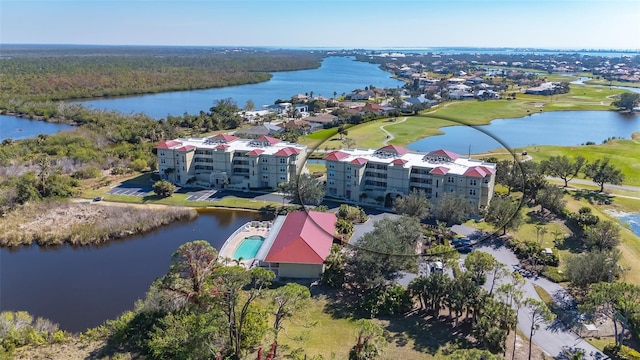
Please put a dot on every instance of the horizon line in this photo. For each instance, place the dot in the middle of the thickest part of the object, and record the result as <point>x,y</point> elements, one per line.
<point>532,48</point>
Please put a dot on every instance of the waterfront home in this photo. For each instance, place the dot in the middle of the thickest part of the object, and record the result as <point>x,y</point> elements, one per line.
<point>378,176</point>
<point>227,161</point>
<point>293,245</point>
<point>259,130</point>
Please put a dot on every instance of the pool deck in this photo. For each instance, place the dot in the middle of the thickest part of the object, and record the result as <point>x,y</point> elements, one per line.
<point>261,228</point>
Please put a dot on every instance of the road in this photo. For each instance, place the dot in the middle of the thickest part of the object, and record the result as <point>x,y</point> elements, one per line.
<point>553,337</point>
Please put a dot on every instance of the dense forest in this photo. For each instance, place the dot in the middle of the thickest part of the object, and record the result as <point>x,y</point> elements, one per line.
<point>33,74</point>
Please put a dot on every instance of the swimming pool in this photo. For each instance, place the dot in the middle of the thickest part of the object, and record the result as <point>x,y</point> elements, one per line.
<point>249,247</point>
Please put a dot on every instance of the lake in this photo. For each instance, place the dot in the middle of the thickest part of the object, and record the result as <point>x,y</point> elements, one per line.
<point>339,74</point>
<point>546,128</point>
<point>81,287</point>
<point>15,128</point>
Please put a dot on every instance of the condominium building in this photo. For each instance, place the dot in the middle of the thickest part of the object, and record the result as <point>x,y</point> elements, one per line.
<point>227,161</point>
<point>379,176</point>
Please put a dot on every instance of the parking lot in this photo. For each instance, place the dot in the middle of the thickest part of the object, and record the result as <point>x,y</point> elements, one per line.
<point>131,190</point>
<point>202,195</point>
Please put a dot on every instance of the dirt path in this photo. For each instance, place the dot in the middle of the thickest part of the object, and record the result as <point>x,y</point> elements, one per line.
<point>389,135</point>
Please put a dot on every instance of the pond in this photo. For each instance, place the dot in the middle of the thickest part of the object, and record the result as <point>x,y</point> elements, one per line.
<point>81,287</point>
<point>336,74</point>
<point>546,128</point>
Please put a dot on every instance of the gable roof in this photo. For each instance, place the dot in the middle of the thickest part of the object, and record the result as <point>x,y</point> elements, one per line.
<point>399,161</point>
<point>186,148</point>
<point>288,151</point>
<point>397,149</point>
<point>222,147</point>
<point>440,170</point>
<point>450,154</point>
<point>477,171</point>
<point>269,139</point>
<point>358,161</point>
<point>168,144</point>
<point>304,238</point>
<point>336,155</point>
<point>226,137</point>
<point>255,152</point>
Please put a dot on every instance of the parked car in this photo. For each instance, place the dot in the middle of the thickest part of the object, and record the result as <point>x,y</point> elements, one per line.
<point>458,242</point>
<point>98,198</point>
<point>465,249</point>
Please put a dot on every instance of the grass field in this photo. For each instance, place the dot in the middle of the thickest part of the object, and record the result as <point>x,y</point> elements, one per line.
<point>369,135</point>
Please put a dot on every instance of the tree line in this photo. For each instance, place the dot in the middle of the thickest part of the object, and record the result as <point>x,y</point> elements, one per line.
<point>61,76</point>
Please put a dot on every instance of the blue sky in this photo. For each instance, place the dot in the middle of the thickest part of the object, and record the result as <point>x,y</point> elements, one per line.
<point>612,24</point>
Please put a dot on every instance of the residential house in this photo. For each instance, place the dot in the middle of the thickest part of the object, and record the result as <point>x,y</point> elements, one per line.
<point>258,130</point>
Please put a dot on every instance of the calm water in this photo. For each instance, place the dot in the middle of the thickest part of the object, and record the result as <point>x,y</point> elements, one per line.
<point>634,222</point>
<point>339,74</point>
<point>547,128</point>
<point>15,128</point>
<point>80,288</point>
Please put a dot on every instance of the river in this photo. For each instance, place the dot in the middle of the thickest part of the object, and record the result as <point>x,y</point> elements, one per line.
<point>15,128</point>
<point>339,74</point>
<point>81,287</point>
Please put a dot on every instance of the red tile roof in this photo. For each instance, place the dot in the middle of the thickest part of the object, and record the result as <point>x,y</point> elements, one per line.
<point>399,161</point>
<point>288,151</point>
<point>440,170</point>
<point>358,161</point>
<point>222,147</point>
<point>186,148</point>
<point>226,137</point>
<point>488,170</point>
<point>269,139</point>
<point>450,154</point>
<point>304,238</point>
<point>476,171</point>
<point>168,144</point>
<point>398,149</point>
<point>255,152</point>
<point>336,155</point>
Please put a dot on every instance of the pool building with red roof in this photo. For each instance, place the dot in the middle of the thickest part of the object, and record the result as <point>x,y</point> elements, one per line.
<point>227,161</point>
<point>294,246</point>
<point>378,176</point>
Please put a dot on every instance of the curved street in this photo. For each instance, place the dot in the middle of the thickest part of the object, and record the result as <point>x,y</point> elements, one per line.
<point>554,337</point>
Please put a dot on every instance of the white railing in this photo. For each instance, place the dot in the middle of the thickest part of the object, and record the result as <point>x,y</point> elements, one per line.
<point>232,236</point>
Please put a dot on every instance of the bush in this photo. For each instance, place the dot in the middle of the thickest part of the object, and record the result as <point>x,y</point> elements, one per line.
<point>138,165</point>
<point>164,188</point>
<point>90,172</point>
<point>621,352</point>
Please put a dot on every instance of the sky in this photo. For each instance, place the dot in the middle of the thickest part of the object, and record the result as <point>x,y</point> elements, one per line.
<point>556,24</point>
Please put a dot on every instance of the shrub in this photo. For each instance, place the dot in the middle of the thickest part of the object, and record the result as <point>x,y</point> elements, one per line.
<point>90,172</point>
<point>621,352</point>
<point>138,165</point>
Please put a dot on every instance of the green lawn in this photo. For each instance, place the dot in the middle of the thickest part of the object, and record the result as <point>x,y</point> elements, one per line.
<point>333,336</point>
<point>624,154</point>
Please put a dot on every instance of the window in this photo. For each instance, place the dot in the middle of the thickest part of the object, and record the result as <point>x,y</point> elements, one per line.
<point>450,179</point>
<point>283,177</point>
<point>265,168</point>
<point>161,161</point>
<point>331,173</point>
<point>332,182</point>
<point>265,176</point>
<point>331,166</point>
<point>283,169</point>
<point>473,182</point>
<point>348,176</point>
<point>486,180</point>
<point>472,191</point>
<point>162,153</point>
<point>265,160</point>
<point>283,161</point>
